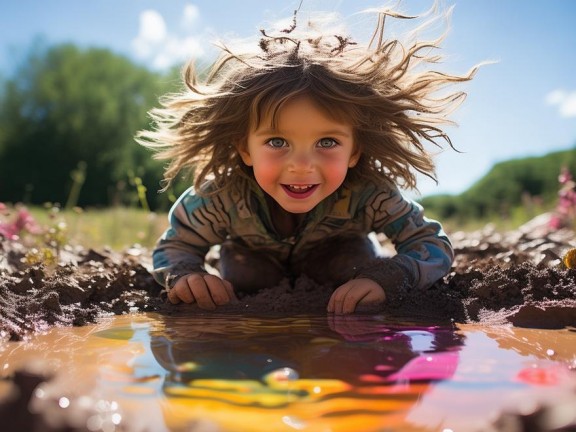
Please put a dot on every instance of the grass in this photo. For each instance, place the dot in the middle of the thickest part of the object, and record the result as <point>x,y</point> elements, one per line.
<point>116,227</point>
<point>122,227</point>
<point>511,220</point>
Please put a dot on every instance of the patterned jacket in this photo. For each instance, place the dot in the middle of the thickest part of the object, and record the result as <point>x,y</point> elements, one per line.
<point>240,214</point>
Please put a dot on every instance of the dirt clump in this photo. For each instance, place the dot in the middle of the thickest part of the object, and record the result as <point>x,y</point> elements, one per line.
<point>512,278</point>
<point>88,285</point>
<point>497,278</point>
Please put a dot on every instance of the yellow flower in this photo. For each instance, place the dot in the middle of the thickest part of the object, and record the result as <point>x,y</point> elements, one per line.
<point>569,259</point>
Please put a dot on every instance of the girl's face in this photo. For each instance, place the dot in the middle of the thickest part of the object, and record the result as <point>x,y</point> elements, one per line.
<point>302,160</point>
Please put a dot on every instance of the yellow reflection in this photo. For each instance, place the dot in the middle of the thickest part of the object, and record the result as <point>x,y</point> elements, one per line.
<point>284,374</point>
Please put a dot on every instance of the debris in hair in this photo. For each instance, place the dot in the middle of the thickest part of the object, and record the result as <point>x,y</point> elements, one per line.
<point>344,42</point>
<point>293,26</point>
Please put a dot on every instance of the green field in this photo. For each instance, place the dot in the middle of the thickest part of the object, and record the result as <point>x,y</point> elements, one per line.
<point>117,227</point>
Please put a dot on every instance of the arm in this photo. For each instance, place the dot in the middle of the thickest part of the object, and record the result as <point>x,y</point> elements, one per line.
<point>424,254</point>
<point>196,224</point>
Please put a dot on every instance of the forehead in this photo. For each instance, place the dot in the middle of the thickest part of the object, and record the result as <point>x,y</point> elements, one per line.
<point>269,113</point>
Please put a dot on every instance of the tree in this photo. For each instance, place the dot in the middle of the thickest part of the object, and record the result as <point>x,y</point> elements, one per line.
<point>505,187</point>
<point>66,107</point>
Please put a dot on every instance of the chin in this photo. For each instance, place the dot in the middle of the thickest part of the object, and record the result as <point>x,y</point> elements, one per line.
<point>298,209</point>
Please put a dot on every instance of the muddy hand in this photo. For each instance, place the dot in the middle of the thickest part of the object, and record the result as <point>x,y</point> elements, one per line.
<point>208,291</point>
<point>353,293</point>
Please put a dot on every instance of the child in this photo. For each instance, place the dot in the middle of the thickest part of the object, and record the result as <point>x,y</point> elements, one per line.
<point>295,151</point>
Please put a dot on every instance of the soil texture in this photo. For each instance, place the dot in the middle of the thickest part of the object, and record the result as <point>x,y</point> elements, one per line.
<point>513,278</point>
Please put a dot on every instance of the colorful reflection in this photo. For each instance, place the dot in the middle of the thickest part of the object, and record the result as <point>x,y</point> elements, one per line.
<point>310,373</point>
<point>319,372</point>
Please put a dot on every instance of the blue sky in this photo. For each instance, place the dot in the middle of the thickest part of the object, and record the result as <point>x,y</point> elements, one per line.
<point>523,105</point>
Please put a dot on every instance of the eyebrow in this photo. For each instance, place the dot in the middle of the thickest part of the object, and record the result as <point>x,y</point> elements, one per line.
<point>272,131</point>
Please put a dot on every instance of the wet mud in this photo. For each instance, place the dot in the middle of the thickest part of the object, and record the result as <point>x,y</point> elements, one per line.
<point>497,278</point>
<point>515,278</point>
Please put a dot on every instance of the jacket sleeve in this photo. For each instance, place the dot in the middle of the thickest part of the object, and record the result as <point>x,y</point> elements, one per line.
<point>196,224</point>
<point>424,253</point>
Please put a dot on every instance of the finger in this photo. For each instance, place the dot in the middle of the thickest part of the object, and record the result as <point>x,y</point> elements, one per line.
<point>331,308</point>
<point>353,297</point>
<point>346,298</point>
<point>338,298</point>
<point>173,297</point>
<point>201,293</point>
<point>230,289</point>
<point>181,291</point>
<point>217,290</point>
<point>374,297</point>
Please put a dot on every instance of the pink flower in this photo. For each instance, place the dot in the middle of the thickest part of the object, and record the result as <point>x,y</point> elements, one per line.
<point>9,230</point>
<point>565,175</point>
<point>24,221</point>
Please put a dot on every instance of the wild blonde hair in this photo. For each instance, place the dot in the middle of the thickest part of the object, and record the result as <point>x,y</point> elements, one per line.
<point>380,89</point>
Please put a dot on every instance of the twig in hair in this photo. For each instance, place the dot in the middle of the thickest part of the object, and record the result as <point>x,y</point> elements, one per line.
<point>344,42</point>
<point>293,26</point>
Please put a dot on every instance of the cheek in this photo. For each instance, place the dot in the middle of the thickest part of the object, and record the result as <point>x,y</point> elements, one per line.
<point>335,167</point>
<point>266,171</point>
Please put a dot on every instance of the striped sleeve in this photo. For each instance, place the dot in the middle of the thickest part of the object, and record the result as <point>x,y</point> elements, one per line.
<point>422,247</point>
<point>196,224</point>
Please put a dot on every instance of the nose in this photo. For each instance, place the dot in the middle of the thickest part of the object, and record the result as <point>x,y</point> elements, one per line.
<point>301,161</point>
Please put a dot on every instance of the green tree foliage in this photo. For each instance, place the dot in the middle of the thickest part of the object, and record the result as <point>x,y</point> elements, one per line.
<point>506,187</point>
<point>66,107</point>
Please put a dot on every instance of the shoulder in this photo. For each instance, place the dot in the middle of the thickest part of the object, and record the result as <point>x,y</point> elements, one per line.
<point>375,195</point>
<point>380,204</point>
<point>206,196</point>
<point>234,201</point>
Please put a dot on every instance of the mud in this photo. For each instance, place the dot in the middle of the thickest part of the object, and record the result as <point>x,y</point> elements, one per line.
<point>515,278</point>
<point>497,278</point>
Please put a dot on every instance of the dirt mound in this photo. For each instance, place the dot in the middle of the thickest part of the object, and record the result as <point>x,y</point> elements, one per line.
<point>496,279</point>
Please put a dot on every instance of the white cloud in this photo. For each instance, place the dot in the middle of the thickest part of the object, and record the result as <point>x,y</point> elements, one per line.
<point>177,49</point>
<point>160,47</point>
<point>152,26</point>
<point>566,102</point>
<point>190,16</point>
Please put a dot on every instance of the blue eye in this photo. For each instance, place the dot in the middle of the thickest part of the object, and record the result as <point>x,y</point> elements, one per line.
<point>276,142</point>
<point>327,143</point>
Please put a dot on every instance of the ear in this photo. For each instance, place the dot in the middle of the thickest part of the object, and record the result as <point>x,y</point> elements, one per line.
<point>354,158</point>
<point>244,153</point>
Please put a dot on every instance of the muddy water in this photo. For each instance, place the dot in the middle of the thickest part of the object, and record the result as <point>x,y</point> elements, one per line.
<point>312,373</point>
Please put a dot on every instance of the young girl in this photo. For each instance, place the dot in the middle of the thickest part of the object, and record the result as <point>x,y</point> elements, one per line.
<point>296,149</point>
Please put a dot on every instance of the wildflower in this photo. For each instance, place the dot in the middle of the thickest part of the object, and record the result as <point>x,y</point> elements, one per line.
<point>24,221</point>
<point>569,258</point>
<point>566,208</point>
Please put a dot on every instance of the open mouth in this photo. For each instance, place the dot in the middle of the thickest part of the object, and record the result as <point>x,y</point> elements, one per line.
<point>299,191</point>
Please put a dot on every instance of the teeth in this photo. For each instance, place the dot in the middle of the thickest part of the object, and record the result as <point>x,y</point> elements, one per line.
<point>299,188</point>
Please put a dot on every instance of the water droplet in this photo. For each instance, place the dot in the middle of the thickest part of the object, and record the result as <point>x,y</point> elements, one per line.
<point>94,423</point>
<point>293,422</point>
<point>64,402</point>
<point>550,352</point>
<point>282,375</point>
<point>85,402</point>
<point>287,374</point>
<point>116,418</point>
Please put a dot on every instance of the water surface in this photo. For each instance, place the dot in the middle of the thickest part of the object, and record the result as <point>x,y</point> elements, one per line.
<point>149,372</point>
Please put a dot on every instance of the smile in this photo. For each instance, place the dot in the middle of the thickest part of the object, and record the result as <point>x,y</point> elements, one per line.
<point>299,191</point>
